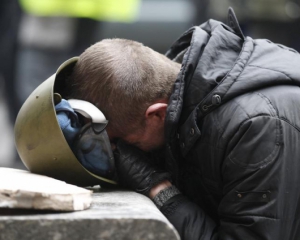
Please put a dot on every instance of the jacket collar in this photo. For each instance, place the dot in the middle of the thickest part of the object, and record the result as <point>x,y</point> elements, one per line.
<point>202,67</point>
<point>209,57</point>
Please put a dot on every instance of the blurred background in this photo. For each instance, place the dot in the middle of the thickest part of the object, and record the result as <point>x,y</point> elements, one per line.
<point>37,36</point>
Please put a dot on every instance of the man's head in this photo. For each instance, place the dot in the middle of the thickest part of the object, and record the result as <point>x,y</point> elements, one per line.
<point>131,84</point>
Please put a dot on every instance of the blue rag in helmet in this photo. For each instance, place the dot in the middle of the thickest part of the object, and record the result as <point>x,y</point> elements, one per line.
<point>91,151</point>
<point>68,121</point>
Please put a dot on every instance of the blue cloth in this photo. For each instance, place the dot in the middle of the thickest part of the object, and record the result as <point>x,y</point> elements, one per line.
<point>68,120</point>
<point>90,150</point>
<point>94,153</point>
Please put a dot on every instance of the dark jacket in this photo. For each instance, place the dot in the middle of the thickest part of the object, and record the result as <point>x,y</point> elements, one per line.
<point>233,140</point>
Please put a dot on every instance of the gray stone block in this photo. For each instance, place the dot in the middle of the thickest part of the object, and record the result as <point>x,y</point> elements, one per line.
<point>114,215</point>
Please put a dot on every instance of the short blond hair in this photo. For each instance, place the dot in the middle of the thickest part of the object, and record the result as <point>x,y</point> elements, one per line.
<point>122,78</point>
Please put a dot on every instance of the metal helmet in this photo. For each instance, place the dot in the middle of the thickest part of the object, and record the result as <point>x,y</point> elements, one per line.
<point>39,139</point>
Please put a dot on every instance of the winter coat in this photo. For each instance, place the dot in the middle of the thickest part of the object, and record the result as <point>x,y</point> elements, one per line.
<point>233,140</point>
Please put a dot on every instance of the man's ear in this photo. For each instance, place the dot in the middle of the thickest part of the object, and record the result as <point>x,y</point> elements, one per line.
<point>156,111</point>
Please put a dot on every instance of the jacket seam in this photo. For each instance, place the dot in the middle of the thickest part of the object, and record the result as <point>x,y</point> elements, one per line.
<point>272,108</point>
<point>277,115</point>
<point>260,164</point>
<point>183,73</point>
<point>250,118</point>
<point>251,65</point>
<point>237,62</point>
<point>292,125</point>
<point>268,159</point>
<point>268,102</point>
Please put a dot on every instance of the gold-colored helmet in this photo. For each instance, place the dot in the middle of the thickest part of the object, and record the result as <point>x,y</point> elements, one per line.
<point>41,143</point>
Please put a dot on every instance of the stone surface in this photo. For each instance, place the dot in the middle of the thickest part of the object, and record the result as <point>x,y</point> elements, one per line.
<point>22,189</point>
<point>114,215</point>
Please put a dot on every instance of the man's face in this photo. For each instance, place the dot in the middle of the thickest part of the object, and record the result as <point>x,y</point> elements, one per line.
<point>151,135</point>
<point>148,139</point>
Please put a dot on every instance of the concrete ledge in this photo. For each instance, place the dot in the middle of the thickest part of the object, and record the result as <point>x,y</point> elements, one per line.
<point>114,215</point>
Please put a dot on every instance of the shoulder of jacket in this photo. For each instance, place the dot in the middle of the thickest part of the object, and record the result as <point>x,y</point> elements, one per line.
<point>241,108</point>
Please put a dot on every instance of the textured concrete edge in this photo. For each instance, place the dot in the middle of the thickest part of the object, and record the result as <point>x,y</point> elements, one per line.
<point>114,214</point>
<point>112,229</point>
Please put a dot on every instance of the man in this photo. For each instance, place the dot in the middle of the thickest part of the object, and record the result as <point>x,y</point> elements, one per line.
<point>227,118</point>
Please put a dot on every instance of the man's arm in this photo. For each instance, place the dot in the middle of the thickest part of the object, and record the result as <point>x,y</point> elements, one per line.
<point>188,219</point>
<point>136,171</point>
<point>248,209</point>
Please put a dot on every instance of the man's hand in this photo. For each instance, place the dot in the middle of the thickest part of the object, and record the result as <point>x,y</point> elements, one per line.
<point>136,170</point>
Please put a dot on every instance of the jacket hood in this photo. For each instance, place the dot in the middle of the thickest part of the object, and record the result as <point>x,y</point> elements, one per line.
<point>219,64</point>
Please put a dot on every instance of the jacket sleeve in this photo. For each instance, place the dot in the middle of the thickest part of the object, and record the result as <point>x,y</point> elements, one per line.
<point>249,206</point>
<point>189,220</point>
